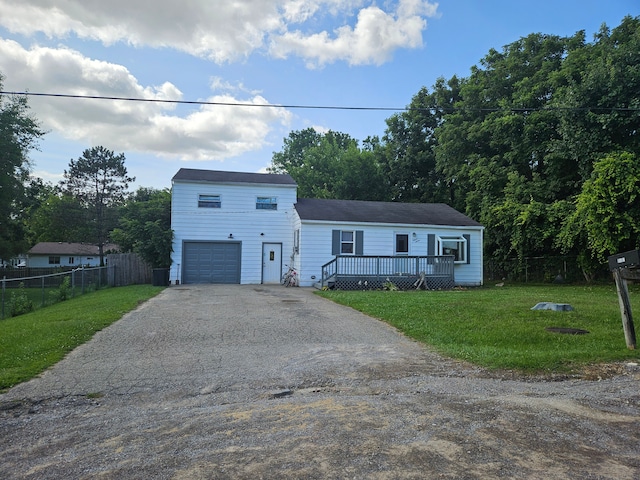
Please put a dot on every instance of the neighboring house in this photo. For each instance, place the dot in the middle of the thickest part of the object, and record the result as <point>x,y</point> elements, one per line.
<point>18,261</point>
<point>232,227</point>
<point>65,254</point>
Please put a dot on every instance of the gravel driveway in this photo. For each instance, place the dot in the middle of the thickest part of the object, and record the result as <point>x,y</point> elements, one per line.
<point>267,382</point>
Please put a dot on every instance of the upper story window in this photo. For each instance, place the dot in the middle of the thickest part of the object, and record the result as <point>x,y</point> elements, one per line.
<point>209,201</point>
<point>456,246</point>
<point>266,203</point>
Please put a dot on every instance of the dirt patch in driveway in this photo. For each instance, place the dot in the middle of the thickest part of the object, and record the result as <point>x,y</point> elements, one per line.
<point>269,382</point>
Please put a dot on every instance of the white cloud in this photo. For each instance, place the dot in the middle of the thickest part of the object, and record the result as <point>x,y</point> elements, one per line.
<point>373,39</point>
<point>230,31</point>
<point>206,132</point>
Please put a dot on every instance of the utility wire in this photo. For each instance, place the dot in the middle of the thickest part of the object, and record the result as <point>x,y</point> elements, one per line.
<point>326,107</point>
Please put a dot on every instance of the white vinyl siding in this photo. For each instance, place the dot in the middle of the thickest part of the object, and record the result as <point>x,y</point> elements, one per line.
<point>237,216</point>
<point>36,261</point>
<point>316,246</point>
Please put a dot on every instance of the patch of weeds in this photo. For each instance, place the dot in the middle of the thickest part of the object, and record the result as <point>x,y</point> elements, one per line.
<point>20,303</point>
<point>63,292</point>
<point>94,395</point>
<point>390,286</point>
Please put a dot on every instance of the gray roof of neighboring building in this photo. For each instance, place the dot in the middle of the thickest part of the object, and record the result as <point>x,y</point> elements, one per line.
<point>218,176</point>
<point>357,211</point>
<point>67,248</point>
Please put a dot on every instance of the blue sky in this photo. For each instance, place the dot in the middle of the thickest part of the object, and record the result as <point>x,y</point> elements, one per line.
<point>356,53</point>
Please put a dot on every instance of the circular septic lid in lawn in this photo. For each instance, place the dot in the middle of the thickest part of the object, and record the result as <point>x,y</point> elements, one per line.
<point>567,330</point>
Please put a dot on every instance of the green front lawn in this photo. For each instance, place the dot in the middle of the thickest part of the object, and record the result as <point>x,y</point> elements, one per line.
<point>495,327</point>
<point>32,342</point>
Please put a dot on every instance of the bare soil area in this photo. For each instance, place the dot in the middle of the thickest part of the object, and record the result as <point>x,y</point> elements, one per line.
<point>267,382</point>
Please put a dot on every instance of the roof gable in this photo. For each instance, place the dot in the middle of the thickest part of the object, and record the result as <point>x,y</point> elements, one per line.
<point>218,176</point>
<point>358,211</point>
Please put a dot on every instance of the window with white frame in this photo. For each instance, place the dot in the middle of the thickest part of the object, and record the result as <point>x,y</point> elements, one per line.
<point>209,201</point>
<point>402,244</point>
<point>347,242</point>
<point>266,203</point>
<point>71,260</point>
<point>454,245</point>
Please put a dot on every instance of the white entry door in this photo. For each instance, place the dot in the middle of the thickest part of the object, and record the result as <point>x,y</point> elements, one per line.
<point>271,262</point>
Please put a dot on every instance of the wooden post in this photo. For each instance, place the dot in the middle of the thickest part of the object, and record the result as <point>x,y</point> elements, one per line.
<point>625,309</point>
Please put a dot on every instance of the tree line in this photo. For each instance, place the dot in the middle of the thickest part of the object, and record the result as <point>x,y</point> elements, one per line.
<point>539,143</point>
<point>91,204</point>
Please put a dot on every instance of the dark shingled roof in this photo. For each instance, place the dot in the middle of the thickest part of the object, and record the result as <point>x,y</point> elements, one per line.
<point>218,176</point>
<point>382,212</point>
<point>66,248</point>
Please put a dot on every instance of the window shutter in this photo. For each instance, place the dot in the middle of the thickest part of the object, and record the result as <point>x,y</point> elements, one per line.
<point>335,242</point>
<point>467,237</point>
<point>431,244</point>
<point>359,242</point>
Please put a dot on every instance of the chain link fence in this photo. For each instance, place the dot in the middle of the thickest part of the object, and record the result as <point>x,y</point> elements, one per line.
<point>560,269</point>
<point>27,293</point>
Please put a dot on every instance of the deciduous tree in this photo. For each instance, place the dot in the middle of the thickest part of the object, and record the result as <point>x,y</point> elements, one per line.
<point>19,133</point>
<point>145,226</point>
<point>330,165</point>
<point>608,208</point>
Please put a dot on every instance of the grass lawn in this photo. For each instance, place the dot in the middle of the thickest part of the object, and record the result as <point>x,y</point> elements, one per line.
<point>32,342</point>
<point>496,328</point>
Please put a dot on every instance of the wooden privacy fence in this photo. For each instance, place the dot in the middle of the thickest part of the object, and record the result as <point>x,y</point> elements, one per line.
<point>128,269</point>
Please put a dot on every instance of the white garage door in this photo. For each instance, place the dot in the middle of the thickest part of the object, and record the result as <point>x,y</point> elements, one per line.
<point>211,262</point>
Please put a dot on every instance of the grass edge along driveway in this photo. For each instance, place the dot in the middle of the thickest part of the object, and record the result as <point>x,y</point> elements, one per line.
<point>31,343</point>
<point>494,327</point>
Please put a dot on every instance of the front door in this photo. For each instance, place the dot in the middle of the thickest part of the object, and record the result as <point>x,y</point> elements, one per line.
<point>271,262</point>
<point>401,250</point>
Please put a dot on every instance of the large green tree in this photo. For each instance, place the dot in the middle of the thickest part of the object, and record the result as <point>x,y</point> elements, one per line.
<point>330,165</point>
<point>60,217</point>
<point>99,180</point>
<point>607,209</point>
<point>407,151</point>
<point>526,128</point>
<point>145,226</point>
<point>19,133</point>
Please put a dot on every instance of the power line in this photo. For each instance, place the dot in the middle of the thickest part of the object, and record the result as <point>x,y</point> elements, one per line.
<point>328,107</point>
<point>199,102</point>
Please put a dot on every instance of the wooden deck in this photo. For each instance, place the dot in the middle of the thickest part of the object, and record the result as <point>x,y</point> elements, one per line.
<point>347,272</point>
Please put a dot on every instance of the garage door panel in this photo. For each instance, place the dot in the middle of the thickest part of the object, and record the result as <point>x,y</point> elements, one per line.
<point>211,262</point>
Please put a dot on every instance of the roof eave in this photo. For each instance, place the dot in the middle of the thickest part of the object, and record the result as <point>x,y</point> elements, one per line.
<point>396,225</point>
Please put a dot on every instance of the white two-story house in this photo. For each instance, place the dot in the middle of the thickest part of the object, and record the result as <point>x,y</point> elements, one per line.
<point>247,228</point>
